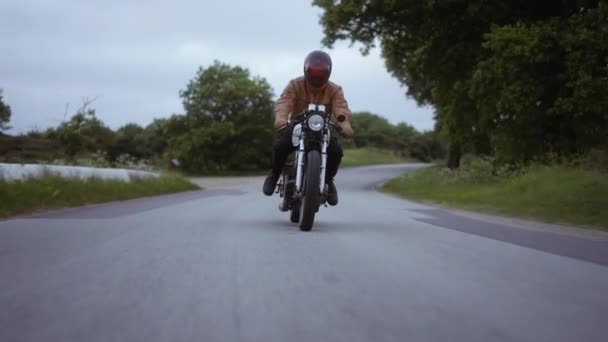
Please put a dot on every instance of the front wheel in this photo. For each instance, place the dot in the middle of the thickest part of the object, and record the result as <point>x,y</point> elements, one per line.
<point>310,201</point>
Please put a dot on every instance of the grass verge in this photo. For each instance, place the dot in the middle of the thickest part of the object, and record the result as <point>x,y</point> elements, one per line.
<point>352,157</point>
<point>555,194</point>
<point>53,192</point>
<point>371,156</point>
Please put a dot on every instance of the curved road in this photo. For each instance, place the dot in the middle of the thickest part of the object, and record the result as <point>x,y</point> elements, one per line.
<point>224,265</point>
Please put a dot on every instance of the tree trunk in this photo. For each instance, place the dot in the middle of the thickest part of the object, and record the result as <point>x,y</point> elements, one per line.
<point>454,155</point>
<point>482,144</point>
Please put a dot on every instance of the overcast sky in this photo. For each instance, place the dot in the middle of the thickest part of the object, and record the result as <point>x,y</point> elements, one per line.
<point>135,56</point>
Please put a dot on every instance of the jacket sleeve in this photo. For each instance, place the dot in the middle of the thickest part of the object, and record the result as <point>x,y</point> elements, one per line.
<point>284,106</point>
<point>340,106</point>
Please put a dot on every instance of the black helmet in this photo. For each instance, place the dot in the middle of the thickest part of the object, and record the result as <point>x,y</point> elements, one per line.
<point>317,68</point>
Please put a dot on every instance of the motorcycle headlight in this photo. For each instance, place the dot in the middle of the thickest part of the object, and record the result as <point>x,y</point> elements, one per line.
<point>296,135</point>
<point>315,122</point>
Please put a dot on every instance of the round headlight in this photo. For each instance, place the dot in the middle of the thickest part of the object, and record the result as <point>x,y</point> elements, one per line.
<point>316,122</point>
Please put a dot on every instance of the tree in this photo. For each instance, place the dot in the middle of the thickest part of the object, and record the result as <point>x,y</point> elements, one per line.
<point>442,50</point>
<point>542,88</point>
<point>403,134</point>
<point>5,114</point>
<point>372,130</point>
<point>376,131</point>
<point>229,120</point>
<point>130,139</point>
<point>207,149</point>
<point>224,93</point>
<point>84,132</point>
<point>429,46</point>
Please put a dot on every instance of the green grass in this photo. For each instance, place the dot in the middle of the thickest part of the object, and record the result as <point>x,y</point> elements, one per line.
<point>370,156</point>
<point>352,157</point>
<point>53,192</point>
<point>555,194</point>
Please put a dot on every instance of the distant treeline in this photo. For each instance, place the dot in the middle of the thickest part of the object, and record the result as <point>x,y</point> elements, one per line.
<point>372,130</point>
<point>516,81</point>
<point>227,126</point>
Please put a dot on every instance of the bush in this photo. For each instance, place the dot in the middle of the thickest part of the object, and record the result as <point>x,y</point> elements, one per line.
<point>24,149</point>
<point>593,160</point>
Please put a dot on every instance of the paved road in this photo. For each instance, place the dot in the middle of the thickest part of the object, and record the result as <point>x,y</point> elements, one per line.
<point>225,265</point>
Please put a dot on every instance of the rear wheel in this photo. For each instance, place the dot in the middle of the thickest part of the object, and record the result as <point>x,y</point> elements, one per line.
<point>310,201</point>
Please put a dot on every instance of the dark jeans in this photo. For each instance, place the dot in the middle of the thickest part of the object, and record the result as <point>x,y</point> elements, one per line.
<point>283,147</point>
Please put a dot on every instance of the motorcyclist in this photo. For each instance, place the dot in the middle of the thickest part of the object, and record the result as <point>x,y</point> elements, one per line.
<point>313,87</point>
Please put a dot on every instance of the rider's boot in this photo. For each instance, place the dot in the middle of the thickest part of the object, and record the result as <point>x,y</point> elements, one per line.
<point>270,183</point>
<point>332,193</point>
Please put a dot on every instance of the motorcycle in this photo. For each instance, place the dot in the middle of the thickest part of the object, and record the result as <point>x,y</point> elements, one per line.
<point>302,183</point>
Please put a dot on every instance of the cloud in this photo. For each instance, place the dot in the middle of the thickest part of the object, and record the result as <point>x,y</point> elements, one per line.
<point>135,56</point>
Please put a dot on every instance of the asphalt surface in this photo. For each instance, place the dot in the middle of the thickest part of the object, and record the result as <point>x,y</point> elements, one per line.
<point>225,265</point>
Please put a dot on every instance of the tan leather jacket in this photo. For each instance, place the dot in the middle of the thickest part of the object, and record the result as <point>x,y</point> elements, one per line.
<point>298,94</point>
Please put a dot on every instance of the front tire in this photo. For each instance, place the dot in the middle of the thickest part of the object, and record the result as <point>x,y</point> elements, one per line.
<point>310,201</point>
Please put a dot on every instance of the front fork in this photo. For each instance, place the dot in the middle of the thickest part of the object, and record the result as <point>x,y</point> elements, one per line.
<point>323,163</point>
<point>300,164</point>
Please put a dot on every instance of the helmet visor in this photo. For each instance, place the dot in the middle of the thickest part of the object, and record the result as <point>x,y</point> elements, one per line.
<point>317,74</point>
